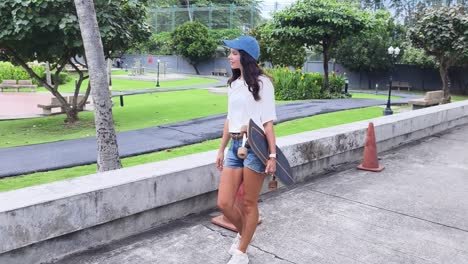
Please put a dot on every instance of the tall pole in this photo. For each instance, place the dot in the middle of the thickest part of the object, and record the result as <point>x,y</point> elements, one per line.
<point>173,11</point>
<point>231,13</point>
<point>388,110</point>
<point>156,20</point>
<point>109,71</point>
<point>210,16</point>
<point>393,53</point>
<point>188,10</point>
<point>157,78</point>
<point>252,10</point>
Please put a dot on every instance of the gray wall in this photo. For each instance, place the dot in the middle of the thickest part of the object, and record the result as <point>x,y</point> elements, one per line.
<point>421,79</point>
<point>174,64</point>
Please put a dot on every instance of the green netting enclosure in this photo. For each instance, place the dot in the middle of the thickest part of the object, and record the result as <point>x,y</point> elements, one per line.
<point>213,16</point>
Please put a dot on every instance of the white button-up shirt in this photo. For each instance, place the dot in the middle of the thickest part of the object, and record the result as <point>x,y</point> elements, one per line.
<point>242,106</point>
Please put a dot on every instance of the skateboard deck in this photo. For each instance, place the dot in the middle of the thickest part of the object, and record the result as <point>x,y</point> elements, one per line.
<point>259,145</point>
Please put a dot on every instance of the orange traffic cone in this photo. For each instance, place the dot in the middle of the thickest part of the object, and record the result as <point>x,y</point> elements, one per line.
<point>222,220</point>
<point>370,162</point>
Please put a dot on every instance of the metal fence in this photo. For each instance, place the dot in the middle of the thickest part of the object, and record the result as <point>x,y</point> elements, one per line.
<point>220,16</point>
<point>231,16</point>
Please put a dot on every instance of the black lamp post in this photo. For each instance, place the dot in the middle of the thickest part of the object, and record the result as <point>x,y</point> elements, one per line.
<point>109,68</point>
<point>157,78</point>
<point>346,86</point>
<point>393,52</point>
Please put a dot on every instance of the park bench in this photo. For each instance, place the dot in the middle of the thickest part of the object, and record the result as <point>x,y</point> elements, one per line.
<point>430,99</point>
<point>55,103</point>
<point>401,85</point>
<point>219,72</point>
<point>69,68</point>
<point>12,84</point>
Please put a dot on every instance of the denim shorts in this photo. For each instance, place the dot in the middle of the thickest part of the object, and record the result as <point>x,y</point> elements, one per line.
<point>251,161</point>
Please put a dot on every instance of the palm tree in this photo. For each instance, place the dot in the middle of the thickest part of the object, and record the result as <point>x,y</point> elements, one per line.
<point>108,153</point>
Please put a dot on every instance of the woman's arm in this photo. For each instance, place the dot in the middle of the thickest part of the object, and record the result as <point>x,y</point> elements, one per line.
<point>271,139</point>
<point>222,146</point>
<point>225,137</point>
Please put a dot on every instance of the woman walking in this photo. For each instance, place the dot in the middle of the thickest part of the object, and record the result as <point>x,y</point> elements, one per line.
<point>250,96</point>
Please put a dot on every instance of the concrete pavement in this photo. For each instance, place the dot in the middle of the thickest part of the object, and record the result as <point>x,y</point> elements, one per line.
<point>414,211</point>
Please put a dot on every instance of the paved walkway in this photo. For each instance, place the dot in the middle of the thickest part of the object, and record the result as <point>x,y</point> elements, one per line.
<point>70,153</point>
<point>414,212</point>
<point>14,105</point>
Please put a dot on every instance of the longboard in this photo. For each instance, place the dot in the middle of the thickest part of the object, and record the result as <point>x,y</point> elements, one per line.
<point>259,145</point>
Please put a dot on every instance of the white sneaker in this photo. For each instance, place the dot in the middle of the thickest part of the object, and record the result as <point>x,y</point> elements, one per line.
<point>235,244</point>
<point>239,257</point>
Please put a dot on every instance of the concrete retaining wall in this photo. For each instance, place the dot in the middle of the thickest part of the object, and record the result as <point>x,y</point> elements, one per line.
<point>46,222</point>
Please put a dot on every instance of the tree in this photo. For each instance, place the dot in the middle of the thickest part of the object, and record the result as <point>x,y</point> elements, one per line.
<point>366,51</point>
<point>443,33</point>
<point>47,30</point>
<point>192,41</point>
<point>321,23</point>
<point>276,52</point>
<point>418,57</point>
<point>108,153</point>
<point>220,34</point>
<point>160,44</point>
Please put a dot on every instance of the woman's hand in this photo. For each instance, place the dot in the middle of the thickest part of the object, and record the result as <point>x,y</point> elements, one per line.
<point>220,160</point>
<point>271,166</point>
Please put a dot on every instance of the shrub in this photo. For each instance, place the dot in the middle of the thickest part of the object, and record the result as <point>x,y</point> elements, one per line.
<point>336,84</point>
<point>8,71</point>
<point>297,85</point>
<point>64,78</point>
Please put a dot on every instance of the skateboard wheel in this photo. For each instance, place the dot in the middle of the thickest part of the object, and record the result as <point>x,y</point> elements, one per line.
<point>242,152</point>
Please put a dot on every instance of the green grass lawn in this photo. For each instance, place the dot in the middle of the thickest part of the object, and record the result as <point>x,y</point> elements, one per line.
<point>140,111</point>
<point>128,85</point>
<point>120,72</point>
<point>373,96</point>
<point>283,129</point>
<point>456,98</point>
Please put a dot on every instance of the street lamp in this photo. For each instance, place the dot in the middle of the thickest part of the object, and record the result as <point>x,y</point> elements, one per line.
<point>157,78</point>
<point>393,52</point>
<point>109,69</point>
<point>346,86</point>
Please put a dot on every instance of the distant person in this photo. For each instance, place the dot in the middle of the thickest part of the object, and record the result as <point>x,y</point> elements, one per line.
<point>250,96</point>
<point>119,63</point>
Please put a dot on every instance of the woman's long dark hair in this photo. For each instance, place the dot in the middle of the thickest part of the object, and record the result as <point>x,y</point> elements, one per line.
<point>251,73</point>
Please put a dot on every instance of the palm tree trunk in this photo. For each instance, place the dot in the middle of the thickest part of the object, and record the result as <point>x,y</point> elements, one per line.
<point>108,154</point>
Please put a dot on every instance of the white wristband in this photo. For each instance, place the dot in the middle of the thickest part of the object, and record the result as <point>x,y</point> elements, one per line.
<point>272,155</point>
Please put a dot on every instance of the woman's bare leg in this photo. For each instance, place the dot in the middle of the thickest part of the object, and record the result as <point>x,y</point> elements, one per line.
<point>228,186</point>
<point>253,183</point>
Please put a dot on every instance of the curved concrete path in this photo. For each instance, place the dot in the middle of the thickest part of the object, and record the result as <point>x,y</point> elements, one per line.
<point>70,153</point>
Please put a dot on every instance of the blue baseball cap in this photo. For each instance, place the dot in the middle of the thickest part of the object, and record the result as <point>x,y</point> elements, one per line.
<point>246,43</point>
